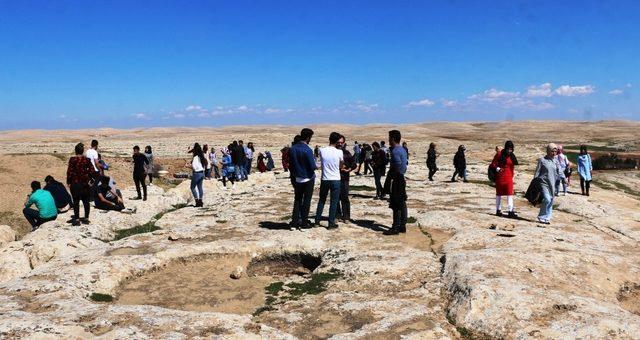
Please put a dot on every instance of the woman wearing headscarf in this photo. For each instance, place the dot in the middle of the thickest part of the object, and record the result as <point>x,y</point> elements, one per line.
<point>431,160</point>
<point>149,166</point>
<point>198,164</point>
<point>547,172</point>
<point>562,163</point>
<point>460,164</point>
<point>261,166</point>
<point>504,163</point>
<point>584,169</point>
<point>270,164</point>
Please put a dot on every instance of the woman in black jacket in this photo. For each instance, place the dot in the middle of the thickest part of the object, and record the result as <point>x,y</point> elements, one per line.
<point>460,164</point>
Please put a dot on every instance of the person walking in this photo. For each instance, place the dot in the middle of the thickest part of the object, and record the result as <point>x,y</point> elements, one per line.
<point>302,167</point>
<point>198,165</point>
<point>504,165</point>
<point>432,154</point>
<point>148,168</point>
<point>350,164</point>
<point>284,157</point>
<point>562,163</point>
<point>584,169</point>
<point>379,163</point>
<point>460,164</point>
<point>207,156</point>
<point>140,162</point>
<point>80,179</point>
<point>332,161</point>
<point>43,200</point>
<point>395,185</point>
<point>547,173</point>
<point>368,151</point>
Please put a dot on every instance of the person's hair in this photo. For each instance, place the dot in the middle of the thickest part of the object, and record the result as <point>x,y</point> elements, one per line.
<point>296,139</point>
<point>250,146</point>
<point>381,142</point>
<point>583,149</point>
<point>503,154</point>
<point>375,145</point>
<point>395,136</point>
<point>79,149</point>
<point>94,143</point>
<point>461,148</point>
<point>240,141</point>
<point>35,185</point>
<point>205,148</point>
<point>136,148</point>
<point>432,145</point>
<point>104,181</point>
<point>147,149</point>
<point>197,151</point>
<point>306,134</point>
<point>48,179</point>
<point>334,137</point>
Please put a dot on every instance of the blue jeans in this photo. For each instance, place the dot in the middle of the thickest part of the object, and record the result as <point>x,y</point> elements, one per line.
<point>325,187</point>
<point>546,207</point>
<point>301,202</point>
<point>196,183</point>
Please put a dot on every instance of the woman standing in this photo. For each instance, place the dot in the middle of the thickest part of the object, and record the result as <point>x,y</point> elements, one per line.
<point>149,166</point>
<point>198,165</point>
<point>547,172</point>
<point>270,164</point>
<point>504,164</point>
<point>431,160</point>
<point>584,169</point>
<point>378,159</point>
<point>460,164</point>
<point>79,172</point>
<point>207,156</point>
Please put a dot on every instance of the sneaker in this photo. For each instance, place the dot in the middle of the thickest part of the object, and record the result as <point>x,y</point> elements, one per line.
<point>136,198</point>
<point>392,231</point>
<point>333,226</point>
<point>512,214</point>
<point>144,199</point>
<point>543,221</point>
<point>85,221</point>
<point>75,223</point>
<point>498,213</point>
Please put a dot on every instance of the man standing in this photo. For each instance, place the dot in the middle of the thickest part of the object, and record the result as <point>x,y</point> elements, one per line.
<point>332,161</point>
<point>45,203</point>
<point>302,166</point>
<point>344,209</point>
<point>94,159</point>
<point>379,163</point>
<point>139,174</point>
<point>396,184</point>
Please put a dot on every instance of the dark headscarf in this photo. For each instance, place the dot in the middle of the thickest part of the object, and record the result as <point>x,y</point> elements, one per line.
<point>503,153</point>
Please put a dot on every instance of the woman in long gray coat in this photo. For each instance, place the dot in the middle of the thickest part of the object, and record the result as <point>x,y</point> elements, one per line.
<point>547,171</point>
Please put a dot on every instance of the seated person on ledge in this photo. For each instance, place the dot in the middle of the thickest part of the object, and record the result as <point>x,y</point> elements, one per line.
<point>107,198</point>
<point>43,200</point>
<point>60,194</point>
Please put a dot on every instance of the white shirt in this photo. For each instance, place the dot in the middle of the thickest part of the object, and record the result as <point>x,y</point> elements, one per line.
<point>92,154</point>
<point>196,164</point>
<point>207,156</point>
<point>330,157</point>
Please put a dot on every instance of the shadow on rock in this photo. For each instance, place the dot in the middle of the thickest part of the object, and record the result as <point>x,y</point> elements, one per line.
<point>274,225</point>
<point>369,224</point>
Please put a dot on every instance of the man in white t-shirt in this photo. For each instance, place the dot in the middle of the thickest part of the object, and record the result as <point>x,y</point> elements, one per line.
<point>92,155</point>
<point>332,161</point>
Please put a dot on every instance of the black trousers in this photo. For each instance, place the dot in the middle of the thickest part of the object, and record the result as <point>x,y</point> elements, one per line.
<point>33,216</point>
<point>150,178</point>
<point>80,192</point>
<point>432,171</point>
<point>377,176</point>
<point>584,186</point>
<point>302,202</point>
<point>344,206</point>
<point>138,179</point>
<point>398,201</point>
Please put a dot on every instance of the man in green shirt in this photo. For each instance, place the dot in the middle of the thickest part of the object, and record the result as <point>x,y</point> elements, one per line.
<point>45,203</point>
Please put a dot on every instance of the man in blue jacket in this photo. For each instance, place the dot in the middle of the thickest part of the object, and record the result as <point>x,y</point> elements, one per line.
<point>302,167</point>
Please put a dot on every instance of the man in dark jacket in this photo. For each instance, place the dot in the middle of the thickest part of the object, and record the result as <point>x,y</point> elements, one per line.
<point>59,192</point>
<point>350,164</point>
<point>460,164</point>
<point>302,167</point>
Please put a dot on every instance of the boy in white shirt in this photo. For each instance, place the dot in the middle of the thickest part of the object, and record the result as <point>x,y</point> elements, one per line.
<point>332,161</point>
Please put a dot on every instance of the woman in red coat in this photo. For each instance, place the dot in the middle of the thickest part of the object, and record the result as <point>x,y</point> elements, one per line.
<point>504,164</point>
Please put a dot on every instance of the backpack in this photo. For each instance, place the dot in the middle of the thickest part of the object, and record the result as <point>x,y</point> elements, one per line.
<point>491,174</point>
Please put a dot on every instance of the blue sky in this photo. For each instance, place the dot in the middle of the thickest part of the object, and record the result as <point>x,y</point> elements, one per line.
<point>73,64</point>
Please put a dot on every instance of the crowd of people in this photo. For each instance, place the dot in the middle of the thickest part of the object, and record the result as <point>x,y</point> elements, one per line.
<point>87,181</point>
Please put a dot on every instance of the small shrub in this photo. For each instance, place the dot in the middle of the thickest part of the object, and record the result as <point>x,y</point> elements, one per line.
<point>361,188</point>
<point>99,297</point>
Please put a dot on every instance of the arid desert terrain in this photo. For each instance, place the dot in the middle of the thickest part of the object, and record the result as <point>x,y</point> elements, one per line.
<point>458,272</point>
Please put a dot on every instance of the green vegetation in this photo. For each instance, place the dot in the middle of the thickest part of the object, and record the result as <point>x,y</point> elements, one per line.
<point>285,218</point>
<point>99,297</point>
<point>595,148</point>
<point>221,221</point>
<point>315,285</point>
<point>147,227</point>
<point>361,188</point>
<point>572,157</point>
<point>411,219</point>
<point>274,288</point>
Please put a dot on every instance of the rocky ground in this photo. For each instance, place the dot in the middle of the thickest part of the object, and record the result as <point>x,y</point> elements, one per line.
<point>459,272</point>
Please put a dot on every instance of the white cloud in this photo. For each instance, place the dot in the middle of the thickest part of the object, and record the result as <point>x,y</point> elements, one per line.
<point>63,116</point>
<point>421,102</point>
<point>179,115</point>
<point>616,92</point>
<point>449,103</point>
<point>363,107</point>
<point>272,110</point>
<point>242,108</point>
<point>628,85</point>
<point>571,91</point>
<point>543,90</point>
<point>193,108</point>
<point>140,115</point>
<point>507,100</point>
<point>493,95</point>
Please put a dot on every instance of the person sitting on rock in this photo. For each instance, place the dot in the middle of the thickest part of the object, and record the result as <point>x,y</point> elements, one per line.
<point>107,198</point>
<point>60,194</point>
<point>45,203</point>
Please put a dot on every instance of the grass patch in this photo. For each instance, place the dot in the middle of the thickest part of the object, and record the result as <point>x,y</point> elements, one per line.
<point>285,218</point>
<point>361,188</point>
<point>99,297</point>
<point>315,285</point>
<point>411,219</point>
<point>274,288</point>
<point>221,221</point>
<point>595,148</point>
<point>147,227</point>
